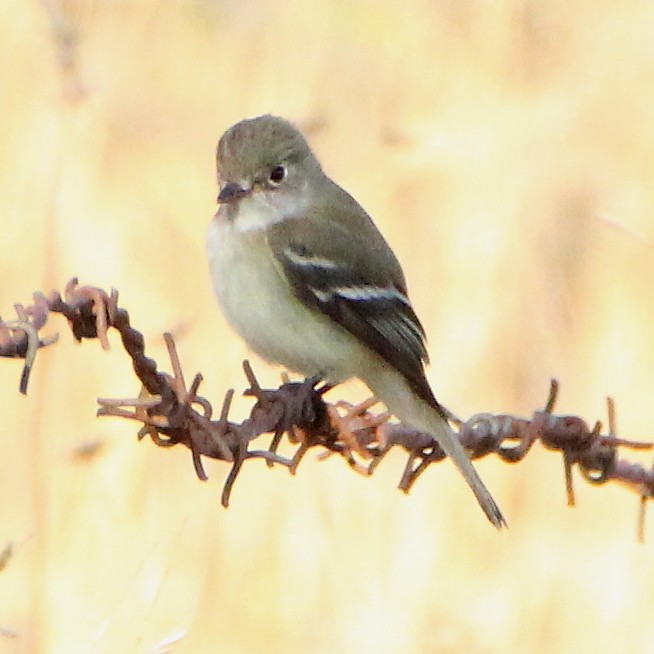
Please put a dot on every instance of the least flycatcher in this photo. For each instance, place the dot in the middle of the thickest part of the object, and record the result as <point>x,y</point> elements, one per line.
<point>304,276</point>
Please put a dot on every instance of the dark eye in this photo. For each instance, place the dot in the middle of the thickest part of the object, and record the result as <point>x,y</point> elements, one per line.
<point>277,174</point>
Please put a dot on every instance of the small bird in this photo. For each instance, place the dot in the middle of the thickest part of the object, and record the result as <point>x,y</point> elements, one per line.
<point>304,276</point>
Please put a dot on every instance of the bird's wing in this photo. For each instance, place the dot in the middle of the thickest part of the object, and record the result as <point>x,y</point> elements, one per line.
<point>329,268</point>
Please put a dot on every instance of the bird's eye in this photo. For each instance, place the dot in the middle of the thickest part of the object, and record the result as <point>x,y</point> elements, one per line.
<point>277,174</point>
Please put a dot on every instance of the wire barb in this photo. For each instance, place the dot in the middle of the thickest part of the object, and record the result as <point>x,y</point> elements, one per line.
<point>171,413</point>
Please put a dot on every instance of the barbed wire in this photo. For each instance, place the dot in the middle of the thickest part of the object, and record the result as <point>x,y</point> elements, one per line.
<point>171,413</point>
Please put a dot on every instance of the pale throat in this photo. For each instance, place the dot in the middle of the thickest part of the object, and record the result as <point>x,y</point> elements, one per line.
<point>260,209</point>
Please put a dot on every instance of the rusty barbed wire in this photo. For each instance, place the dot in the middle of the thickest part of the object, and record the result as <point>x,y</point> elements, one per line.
<point>171,413</point>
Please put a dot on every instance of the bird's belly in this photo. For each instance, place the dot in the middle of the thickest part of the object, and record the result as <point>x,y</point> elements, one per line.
<point>260,306</point>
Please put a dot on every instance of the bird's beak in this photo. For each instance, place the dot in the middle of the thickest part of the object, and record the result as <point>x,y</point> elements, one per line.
<point>231,192</point>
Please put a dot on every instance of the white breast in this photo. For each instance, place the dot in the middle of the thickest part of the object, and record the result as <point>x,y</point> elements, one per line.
<point>258,303</point>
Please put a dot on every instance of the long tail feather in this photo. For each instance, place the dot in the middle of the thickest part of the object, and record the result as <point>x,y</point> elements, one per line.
<point>395,392</point>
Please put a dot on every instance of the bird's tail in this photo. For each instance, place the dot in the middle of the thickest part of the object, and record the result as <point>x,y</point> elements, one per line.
<point>394,391</point>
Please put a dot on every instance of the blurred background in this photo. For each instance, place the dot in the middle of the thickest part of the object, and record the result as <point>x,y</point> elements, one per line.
<point>505,149</point>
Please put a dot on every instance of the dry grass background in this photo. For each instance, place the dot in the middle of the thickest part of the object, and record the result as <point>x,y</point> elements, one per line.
<point>505,149</point>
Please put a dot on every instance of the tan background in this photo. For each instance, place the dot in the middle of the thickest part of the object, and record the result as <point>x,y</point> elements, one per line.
<point>504,148</point>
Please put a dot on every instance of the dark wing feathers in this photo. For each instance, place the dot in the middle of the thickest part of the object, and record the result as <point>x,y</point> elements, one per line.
<point>370,301</point>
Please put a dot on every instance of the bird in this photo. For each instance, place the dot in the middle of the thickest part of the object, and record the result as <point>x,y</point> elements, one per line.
<point>303,275</point>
